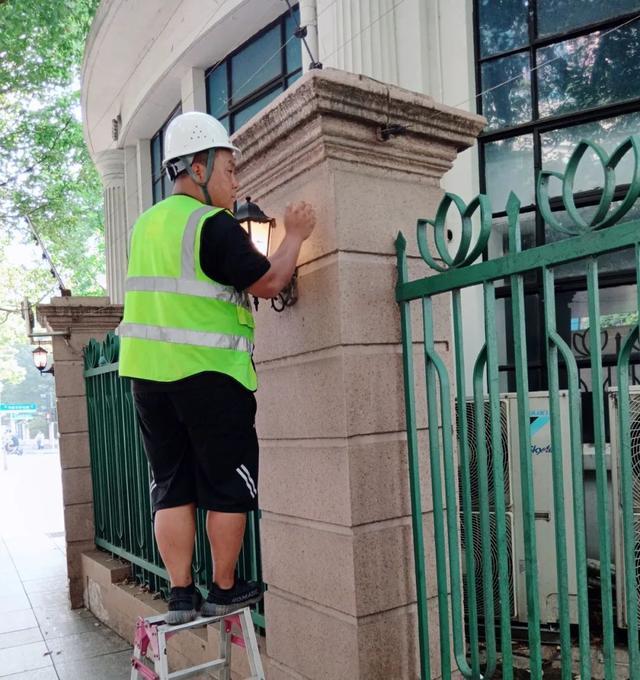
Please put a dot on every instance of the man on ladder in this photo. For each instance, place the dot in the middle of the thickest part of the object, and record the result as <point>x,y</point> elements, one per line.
<point>187,343</point>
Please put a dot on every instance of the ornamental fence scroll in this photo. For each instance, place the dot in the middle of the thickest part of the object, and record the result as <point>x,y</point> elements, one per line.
<point>484,556</point>
<point>121,482</point>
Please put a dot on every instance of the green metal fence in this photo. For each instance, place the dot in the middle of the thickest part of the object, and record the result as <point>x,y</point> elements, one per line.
<point>487,649</point>
<point>121,477</point>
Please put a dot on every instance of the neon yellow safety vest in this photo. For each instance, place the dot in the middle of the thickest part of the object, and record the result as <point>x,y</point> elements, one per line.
<point>177,321</point>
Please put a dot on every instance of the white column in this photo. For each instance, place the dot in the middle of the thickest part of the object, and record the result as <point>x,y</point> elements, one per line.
<point>131,188</point>
<point>110,165</point>
<point>145,192</point>
<point>360,36</point>
<point>194,91</point>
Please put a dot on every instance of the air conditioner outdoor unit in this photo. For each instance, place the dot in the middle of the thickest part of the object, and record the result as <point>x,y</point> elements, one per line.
<point>634,427</point>
<point>541,450</point>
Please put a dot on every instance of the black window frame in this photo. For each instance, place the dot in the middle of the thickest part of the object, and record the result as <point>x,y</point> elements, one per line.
<point>281,80</point>
<point>537,127</point>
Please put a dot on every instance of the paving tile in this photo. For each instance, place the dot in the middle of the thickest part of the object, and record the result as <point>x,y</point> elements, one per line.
<point>55,623</point>
<point>24,557</point>
<point>10,584</point>
<point>40,674</point>
<point>36,571</point>
<point>84,645</point>
<point>13,601</point>
<point>50,599</point>
<point>20,637</point>
<point>42,585</point>
<point>24,658</point>
<point>107,667</point>
<point>17,620</point>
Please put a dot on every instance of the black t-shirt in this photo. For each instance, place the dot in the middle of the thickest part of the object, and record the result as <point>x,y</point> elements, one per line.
<point>228,256</point>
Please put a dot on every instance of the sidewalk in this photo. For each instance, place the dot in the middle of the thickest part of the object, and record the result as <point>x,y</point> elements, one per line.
<point>40,637</point>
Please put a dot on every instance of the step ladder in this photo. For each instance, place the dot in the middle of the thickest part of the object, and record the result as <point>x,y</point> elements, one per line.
<point>150,646</point>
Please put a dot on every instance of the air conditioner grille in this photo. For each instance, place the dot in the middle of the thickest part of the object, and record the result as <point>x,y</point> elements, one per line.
<point>634,422</point>
<point>472,442</point>
<point>478,561</point>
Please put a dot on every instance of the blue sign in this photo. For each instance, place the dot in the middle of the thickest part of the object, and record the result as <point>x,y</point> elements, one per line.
<point>18,407</point>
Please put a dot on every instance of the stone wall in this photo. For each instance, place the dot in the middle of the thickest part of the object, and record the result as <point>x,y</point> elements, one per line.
<point>336,523</point>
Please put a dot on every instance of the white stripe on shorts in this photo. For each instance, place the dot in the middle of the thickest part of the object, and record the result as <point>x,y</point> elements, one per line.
<point>253,484</point>
<point>246,481</point>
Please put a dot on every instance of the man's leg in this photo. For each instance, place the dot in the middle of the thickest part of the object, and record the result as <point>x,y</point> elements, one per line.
<point>226,532</point>
<point>175,530</point>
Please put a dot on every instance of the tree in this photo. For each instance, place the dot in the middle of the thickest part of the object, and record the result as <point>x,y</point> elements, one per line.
<point>46,172</point>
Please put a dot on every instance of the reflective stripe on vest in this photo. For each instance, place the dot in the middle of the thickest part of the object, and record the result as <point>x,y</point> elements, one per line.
<point>185,337</point>
<point>168,284</point>
<point>188,243</point>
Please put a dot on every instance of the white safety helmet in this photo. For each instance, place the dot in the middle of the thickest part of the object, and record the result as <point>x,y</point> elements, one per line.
<point>190,133</point>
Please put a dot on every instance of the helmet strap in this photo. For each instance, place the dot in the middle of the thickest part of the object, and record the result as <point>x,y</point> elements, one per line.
<point>188,160</point>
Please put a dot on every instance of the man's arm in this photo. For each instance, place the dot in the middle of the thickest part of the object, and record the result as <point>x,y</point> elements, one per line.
<point>299,221</point>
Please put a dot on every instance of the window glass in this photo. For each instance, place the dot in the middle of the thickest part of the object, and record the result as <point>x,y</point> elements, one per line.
<point>620,261</point>
<point>556,16</point>
<point>503,25</point>
<point>256,64</point>
<point>499,240</point>
<point>509,167</point>
<point>509,104</point>
<point>161,186</point>
<point>259,70</point>
<point>291,80</point>
<point>217,91</point>
<point>242,116</point>
<point>294,47</point>
<point>589,71</point>
<point>558,145</point>
<point>156,156</point>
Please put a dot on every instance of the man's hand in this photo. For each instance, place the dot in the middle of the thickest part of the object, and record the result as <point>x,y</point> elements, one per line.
<point>299,220</point>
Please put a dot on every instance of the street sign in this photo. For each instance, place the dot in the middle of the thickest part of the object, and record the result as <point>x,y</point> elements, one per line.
<point>18,407</point>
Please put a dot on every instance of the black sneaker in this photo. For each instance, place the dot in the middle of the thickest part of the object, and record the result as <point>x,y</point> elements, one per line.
<point>221,602</point>
<point>184,604</point>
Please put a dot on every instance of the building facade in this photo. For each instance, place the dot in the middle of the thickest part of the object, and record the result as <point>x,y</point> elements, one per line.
<point>544,74</point>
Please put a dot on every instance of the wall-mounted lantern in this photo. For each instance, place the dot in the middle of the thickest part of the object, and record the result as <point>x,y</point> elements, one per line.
<point>40,356</point>
<point>259,227</point>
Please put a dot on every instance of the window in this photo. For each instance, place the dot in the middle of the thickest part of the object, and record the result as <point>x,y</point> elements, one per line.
<point>255,74</point>
<point>161,185</point>
<point>586,84</point>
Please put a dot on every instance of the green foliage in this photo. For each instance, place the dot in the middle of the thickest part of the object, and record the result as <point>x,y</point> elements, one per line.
<point>45,169</point>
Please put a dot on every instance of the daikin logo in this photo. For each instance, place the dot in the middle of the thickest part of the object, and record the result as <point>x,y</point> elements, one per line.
<point>537,421</point>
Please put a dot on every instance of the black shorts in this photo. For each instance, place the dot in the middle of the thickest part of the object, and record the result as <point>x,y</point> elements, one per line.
<point>201,443</point>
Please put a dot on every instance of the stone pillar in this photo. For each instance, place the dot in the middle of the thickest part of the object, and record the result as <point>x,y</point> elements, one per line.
<point>111,166</point>
<point>81,318</point>
<point>336,522</point>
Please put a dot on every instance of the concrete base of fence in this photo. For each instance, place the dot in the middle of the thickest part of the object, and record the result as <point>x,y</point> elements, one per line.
<point>117,601</point>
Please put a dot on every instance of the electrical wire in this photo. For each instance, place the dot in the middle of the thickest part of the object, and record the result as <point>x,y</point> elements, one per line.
<point>45,254</point>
